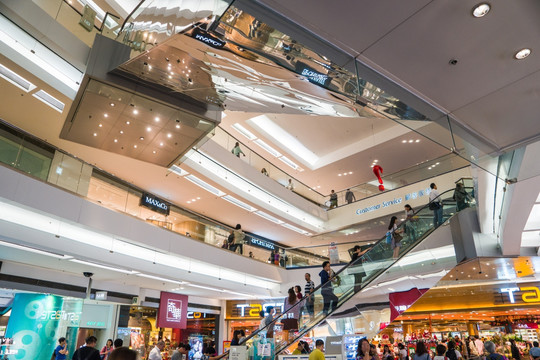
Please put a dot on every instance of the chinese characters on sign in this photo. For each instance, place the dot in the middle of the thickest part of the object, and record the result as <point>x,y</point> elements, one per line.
<point>172,311</point>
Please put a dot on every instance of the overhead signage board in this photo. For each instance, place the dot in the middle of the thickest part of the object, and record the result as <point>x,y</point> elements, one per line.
<point>172,311</point>
<point>156,204</point>
<point>394,201</point>
<point>262,244</point>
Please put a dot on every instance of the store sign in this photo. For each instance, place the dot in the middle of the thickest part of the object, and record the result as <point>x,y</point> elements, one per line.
<point>208,39</point>
<point>172,311</point>
<point>312,75</point>
<point>101,295</point>
<point>394,201</point>
<point>262,244</point>
<point>526,326</point>
<point>241,309</point>
<point>154,203</point>
<point>526,294</point>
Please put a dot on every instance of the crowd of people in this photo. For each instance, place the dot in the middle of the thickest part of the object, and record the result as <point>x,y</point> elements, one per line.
<point>113,350</point>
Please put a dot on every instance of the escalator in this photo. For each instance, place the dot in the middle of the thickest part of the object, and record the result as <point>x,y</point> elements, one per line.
<point>358,275</point>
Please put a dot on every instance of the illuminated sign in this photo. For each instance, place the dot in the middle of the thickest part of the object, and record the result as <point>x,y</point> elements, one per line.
<point>208,39</point>
<point>172,310</point>
<point>312,75</point>
<point>394,201</point>
<point>261,243</point>
<point>101,295</point>
<point>529,294</point>
<point>154,203</point>
<point>240,309</point>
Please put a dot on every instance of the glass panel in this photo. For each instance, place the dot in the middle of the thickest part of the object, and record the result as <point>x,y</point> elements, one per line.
<point>337,288</point>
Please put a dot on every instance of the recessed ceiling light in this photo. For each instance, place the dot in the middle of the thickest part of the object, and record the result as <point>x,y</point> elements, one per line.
<point>156,119</point>
<point>189,202</point>
<point>338,174</point>
<point>105,115</point>
<point>154,151</point>
<point>115,140</point>
<point>404,141</point>
<point>160,144</point>
<point>148,128</point>
<point>141,138</point>
<point>481,10</point>
<point>375,161</point>
<point>135,146</point>
<point>112,104</point>
<point>198,198</point>
<point>170,77</point>
<point>350,172</point>
<point>193,200</point>
<point>100,125</point>
<point>522,54</point>
<point>95,134</point>
<point>127,123</point>
<point>135,111</point>
<point>417,140</point>
<point>169,135</point>
<point>121,131</point>
<point>410,141</point>
<point>149,67</point>
<point>178,126</point>
<point>429,168</point>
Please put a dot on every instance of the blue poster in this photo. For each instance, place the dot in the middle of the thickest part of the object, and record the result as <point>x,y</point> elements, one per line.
<point>33,326</point>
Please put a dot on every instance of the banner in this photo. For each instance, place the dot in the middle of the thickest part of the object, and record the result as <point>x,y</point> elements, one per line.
<point>172,311</point>
<point>33,326</point>
<point>401,301</point>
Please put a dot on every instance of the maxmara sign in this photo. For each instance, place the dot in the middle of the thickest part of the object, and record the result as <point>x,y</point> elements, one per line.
<point>394,201</point>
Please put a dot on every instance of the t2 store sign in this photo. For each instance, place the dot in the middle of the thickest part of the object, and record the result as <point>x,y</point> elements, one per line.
<point>253,310</point>
<point>526,294</point>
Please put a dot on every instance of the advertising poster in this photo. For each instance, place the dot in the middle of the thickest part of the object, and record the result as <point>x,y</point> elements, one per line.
<point>33,325</point>
<point>137,342</point>
<point>172,311</point>
<point>196,343</point>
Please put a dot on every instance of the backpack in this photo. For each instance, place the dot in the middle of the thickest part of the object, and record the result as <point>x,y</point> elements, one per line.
<point>451,354</point>
<point>389,240</point>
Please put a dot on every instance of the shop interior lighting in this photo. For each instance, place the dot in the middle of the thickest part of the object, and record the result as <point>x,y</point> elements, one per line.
<point>49,100</point>
<point>522,54</point>
<point>88,263</point>
<point>239,203</point>
<point>34,250</point>
<point>16,79</point>
<point>481,10</point>
<point>242,130</point>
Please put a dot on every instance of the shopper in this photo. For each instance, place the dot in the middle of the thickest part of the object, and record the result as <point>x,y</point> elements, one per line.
<point>61,350</point>
<point>290,185</point>
<point>230,241</point>
<point>106,350</point>
<point>516,354</point>
<point>291,308</point>
<point>330,300</point>
<point>395,234</point>
<point>239,239</point>
<point>421,352</point>
<point>264,172</point>
<point>118,343</point>
<point>435,204</point>
<point>349,196</point>
<point>473,349</point>
<point>402,352</point>
<point>308,290</point>
<point>440,350</point>
<point>410,225</point>
<point>299,348</point>
<point>534,352</point>
<point>270,322</point>
<point>363,350</point>
<point>181,350</point>
<point>357,269</point>
<point>318,352</point>
<point>452,353</point>
<point>237,151</point>
<point>492,354</point>
<point>462,197</point>
<point>479,346</point>
<point>333,199</point>
<point>88,352</point>
<point>298,291</point>
<point>124,353</point>
<point>387,353</point>
<point>155,353</point>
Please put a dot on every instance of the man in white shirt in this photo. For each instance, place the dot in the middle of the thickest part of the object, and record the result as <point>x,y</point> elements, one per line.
<point>479,346</point>
<point>437,205</point>
<point>155,354</point>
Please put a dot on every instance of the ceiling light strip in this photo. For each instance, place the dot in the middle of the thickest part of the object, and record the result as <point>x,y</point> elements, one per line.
<point>16,79</point>
<point>242,130</point>
<point>49,100</point>
<point>267,147</point>
<point>104,266</point>
<point>204,185</point>
<point>239,203</point>
<point>34,250</point>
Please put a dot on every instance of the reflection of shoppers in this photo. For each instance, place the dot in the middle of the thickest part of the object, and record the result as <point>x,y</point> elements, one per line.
<point>330,300</point>
<point>308,290</point>
<point>333,199</point>
<point>349,196</point>
<point>239,239</point>
<point>237,151</point>
<point>461,197</point>
<point>410,228</point>
<point>435,204</point>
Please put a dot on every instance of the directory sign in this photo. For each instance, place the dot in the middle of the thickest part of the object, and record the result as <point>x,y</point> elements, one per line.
<point>172,311</point>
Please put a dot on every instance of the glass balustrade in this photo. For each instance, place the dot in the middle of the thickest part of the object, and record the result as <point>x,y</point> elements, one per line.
<point>351,279</point>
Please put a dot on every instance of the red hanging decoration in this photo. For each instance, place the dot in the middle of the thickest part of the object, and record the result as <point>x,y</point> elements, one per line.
<point>377,170</point>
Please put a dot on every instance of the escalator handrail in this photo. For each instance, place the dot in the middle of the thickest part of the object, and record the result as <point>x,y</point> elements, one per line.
<point>336,274</point>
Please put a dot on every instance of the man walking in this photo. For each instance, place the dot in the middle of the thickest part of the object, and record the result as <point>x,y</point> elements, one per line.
<point>349,196</point>
<point>310,300</point>
<point>155,354</point>
<point>87,352</point>
<point>330,300</point>
<point>318,352</point>
<point>435,204</point>
<point>333,199</point>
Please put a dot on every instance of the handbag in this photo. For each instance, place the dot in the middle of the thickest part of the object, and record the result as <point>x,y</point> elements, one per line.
<point>389,237</point>
<point>434,205</point>
<point>397,237</point>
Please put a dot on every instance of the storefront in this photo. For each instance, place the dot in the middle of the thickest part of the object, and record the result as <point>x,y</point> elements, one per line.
<point>244,314</point>
<point>137,327</point>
